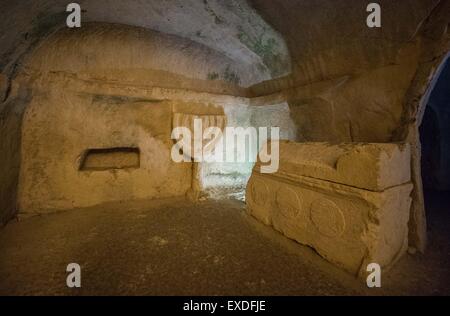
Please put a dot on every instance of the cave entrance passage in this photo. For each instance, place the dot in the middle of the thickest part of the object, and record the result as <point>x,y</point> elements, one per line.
<point>435,140</point>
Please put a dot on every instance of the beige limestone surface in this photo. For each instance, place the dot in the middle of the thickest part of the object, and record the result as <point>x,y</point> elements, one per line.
<point>348,226</point>
<point>369,166</point>
<point>60,127</point>
<point>346,83</point>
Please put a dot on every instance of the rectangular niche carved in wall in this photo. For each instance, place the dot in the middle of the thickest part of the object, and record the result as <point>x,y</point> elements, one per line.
<point>111,158</point>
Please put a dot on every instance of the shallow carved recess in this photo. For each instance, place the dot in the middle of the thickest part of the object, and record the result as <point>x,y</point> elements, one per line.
<point>349,221</point>
<point>110,159</point>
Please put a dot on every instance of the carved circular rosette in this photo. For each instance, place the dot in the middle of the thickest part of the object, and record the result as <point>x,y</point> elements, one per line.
<point>290,205</point>
<point>259,192</point>
<point>328,218</point>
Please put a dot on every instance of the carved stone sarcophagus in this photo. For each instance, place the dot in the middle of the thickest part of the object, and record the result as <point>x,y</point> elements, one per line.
<point>350,202</point>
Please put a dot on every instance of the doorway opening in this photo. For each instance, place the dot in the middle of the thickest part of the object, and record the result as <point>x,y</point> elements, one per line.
<point>435,164</point>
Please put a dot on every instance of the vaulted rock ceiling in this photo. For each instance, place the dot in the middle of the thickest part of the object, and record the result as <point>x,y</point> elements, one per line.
<point>267,38</point>
<point>231,28</point>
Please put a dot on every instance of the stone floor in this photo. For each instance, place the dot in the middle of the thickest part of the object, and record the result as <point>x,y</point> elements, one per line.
<point>212,248</point>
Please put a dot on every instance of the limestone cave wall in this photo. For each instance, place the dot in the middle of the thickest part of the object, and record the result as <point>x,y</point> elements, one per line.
<point>90,97</point>
<point>333,79</point>
<point>349,82</point>
<point>59,129</point>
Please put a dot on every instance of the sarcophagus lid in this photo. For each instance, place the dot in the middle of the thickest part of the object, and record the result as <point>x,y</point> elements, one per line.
<point>369,166</point>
